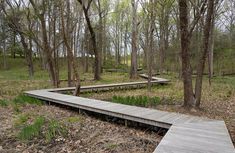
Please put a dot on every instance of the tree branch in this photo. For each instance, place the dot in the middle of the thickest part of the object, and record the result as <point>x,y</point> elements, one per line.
<point>197,17</point>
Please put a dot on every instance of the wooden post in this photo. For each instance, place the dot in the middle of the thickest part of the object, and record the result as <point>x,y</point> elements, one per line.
<point>126,123</point>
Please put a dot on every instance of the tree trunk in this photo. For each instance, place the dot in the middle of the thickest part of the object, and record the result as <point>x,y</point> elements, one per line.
<point>4,55</point>
<point>162,49</point>
<point>31,67</point>
<point>28,54</point>
<point>211,50</point>
<point>47,50</point>
<point>67,42</point>
<point>133,71</point>
<point>100,44</point>
<point>97,63</point>
<point>46,45</point>
<point>204,53</point>
<point>189,99</point>
<point>150,50</point>
<point>4,45</point>
<point>68,39</point>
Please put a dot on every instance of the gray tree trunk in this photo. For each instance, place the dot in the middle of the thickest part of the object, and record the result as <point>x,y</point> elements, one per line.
<point>202,60</point>
<point>133,70</point>
<point>189,99</point>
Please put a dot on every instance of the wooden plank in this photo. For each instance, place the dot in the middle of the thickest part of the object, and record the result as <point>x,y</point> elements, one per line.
<point>205,137</point>
<point>105,86</point>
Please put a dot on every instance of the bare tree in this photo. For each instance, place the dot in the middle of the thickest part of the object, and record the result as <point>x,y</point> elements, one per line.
<point>3,26</point>
<point>97,63</point>
<point>133,70</point>
<point>41,13</point>
<point>14,22</point>
<point>67,41</point>
<point>204,53</point>
<point>186,33</point>
<point>150,40</point>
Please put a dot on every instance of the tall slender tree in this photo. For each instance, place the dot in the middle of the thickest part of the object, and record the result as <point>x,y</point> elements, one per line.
<point>134,37</point>
<point>97,63</point>
<point>186,34</point>
<point>204,52</point>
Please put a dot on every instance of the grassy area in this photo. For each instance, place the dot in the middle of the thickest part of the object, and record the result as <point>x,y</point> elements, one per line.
<point>142,101</point>
<point>218,100</point>
<point>33,130</point>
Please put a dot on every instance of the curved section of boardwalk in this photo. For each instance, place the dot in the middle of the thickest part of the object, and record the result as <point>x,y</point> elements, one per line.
<point>186,134</point>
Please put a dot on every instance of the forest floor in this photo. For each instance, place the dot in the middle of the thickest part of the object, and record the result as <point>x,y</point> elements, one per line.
<point>89,134</point>
<point>83,134</point>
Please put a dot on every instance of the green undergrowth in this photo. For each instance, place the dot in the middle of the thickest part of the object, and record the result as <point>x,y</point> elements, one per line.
<point>54,130</point>
<point>32,130</point>
<point>19,101</point>
<point>4,102</point>
<point>40,128</point>
<point>111,146</point>
<point>22,119</point>
<point>143,101</point>
<point>73,119</point>
<point>23,99</point>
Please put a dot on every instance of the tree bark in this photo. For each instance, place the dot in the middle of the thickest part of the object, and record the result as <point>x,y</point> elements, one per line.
<point>46,45</point>
<point>97,63</point>
<point>71,58</point>
<point>189,99</point>
<point>133,70</point>
<point>204,53</point>
<point>4,49</point>
<point>211,49</point>
<point>151,39</point>
<point>68,39</point>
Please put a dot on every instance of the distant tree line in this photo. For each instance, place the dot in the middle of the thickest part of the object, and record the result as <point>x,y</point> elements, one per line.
<point>184,37</point>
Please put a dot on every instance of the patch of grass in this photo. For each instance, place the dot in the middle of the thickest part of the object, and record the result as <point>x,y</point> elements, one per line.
<point>228,80</point>
<point>111,146</point>
<point>22,119</point>
<point>33,130</point>
<point>73,119</point>
<point>55,129</point>
<point>143,101</point>
<point>4,102</point>
<point>24,99</point>
<point>16,108</point>
<point>47,130</point>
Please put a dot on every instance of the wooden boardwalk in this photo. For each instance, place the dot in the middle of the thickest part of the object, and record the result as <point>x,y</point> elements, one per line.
<point>186,134</point>
<point>111,86</point>
<point>145,76</point>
